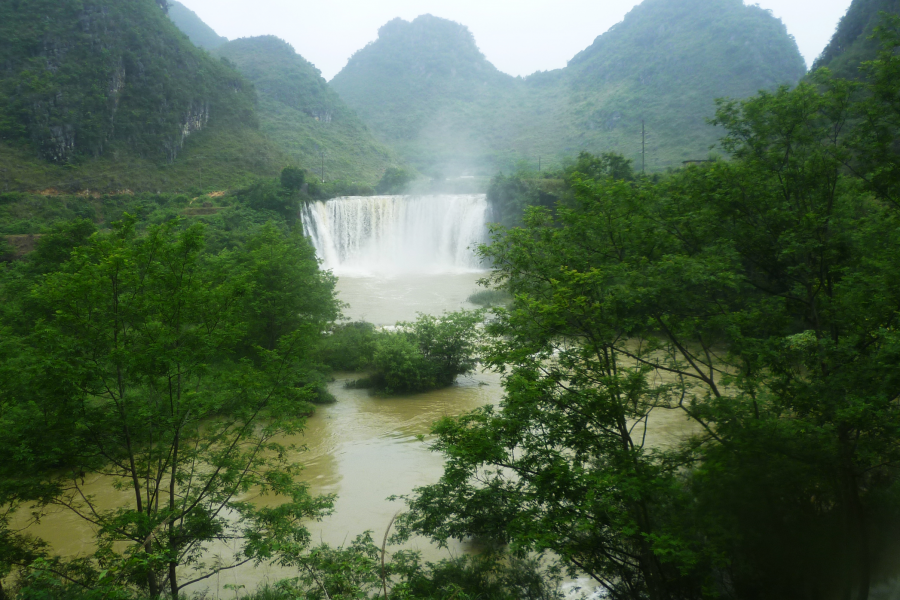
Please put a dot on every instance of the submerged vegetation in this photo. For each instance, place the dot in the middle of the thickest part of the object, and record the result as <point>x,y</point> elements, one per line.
<point>488,298</point>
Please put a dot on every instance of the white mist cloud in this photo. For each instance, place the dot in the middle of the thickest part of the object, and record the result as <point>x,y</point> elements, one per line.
<point>518,37</point>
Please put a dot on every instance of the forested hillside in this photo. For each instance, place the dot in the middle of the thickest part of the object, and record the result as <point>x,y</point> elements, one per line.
<point>193,26</point>
<point>666,63</point>
<point>111,95</point>
<point>299,111</point>
<point>851,43</point>
<point>426,88</point>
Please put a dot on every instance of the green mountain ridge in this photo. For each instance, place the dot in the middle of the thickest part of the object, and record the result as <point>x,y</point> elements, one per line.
<point>199,32</point>
<point>299,111</point>
<point>424,87</point>
<point>665,64</point>
<point>850,45</point>
<point>111,95</point>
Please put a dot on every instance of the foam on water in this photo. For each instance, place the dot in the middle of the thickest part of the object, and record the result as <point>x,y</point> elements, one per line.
<point>369,236</point>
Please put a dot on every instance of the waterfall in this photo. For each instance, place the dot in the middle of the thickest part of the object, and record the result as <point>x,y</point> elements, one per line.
<point>391,235</point>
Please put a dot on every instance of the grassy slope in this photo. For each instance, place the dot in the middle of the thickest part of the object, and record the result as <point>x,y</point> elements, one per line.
<point>425,87</point>
<point>100,95</point>
<point>211,160</point>
<point>850,45</point>
<point>200,33</point>
<point>300,112</point>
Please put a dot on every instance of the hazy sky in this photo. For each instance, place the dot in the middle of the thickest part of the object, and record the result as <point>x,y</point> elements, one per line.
<point>518,37</point>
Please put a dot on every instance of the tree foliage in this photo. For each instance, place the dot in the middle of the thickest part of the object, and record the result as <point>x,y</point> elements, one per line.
<point>750,303</point>
<point>427,354</point>
<point>176,376</point>
<point>394,181</point>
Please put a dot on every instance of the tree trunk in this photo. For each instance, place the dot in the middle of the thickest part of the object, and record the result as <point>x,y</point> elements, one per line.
<point>152,583</point>
<point>857,528</point>
<point>173,580</point>
<point>861,535</point>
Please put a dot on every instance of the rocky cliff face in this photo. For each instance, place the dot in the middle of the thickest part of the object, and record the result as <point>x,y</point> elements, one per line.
<point>81,76</point>
<point>194,120</point>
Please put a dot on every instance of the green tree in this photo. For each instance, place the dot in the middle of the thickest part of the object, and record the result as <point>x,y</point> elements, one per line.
<point>284,290</point>
<point>608,164</point>
<point>428,353</point>
<point>400,367</point>
<point>292,178</point>
<point>55,247</point>
<point>350,346</point>
<point>143,333</point>
<point>450,342</point>
<point>563,466</point>
<point>270,196</point>
<point>757,299</point>
<point>876,157</point>
<point>394,181</point>
<point>363,570</point>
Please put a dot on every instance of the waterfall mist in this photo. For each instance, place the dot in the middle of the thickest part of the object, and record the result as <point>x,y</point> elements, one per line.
<point>392,235</point>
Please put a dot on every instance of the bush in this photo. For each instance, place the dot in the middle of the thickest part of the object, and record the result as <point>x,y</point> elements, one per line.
<point>267,196</point>
<point>349,347</point>
<point>355,572</point>
<point>292,178</point>
<point>321,395</point>
<point>492,575</point>
<point>394,181</point>
<point>401,367</point>
<point>427,354</point>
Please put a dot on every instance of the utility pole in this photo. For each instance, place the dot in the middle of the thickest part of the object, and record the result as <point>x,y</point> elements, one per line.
<point>643,135</point>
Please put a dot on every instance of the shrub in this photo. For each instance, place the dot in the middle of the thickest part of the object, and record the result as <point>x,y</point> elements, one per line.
<point>427,354</point>
<point>401,367</point>
<point>394,181</point>
<point>292,178</point>
<point>349,347</point>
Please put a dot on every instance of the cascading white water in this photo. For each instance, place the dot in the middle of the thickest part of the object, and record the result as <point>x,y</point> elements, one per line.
<point>390,235</point>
